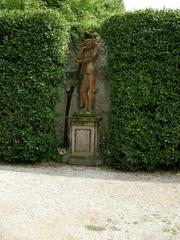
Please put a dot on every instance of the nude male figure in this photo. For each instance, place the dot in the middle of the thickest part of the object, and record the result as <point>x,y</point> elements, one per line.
<point>87,56</point>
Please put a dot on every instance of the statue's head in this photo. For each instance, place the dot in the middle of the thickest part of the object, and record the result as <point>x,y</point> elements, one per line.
<point>90,43</point>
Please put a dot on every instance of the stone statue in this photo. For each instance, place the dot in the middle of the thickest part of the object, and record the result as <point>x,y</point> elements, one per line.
<point>87,56</point>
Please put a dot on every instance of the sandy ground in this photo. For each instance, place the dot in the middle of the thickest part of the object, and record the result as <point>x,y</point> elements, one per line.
<point>80,203</point>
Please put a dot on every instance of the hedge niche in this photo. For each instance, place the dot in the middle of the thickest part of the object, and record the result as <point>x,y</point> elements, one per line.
<point>143,131</point>
<point>32,54</point>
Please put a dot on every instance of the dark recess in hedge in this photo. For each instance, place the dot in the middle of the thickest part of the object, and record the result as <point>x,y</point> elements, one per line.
<point>32,53</point>
<point>144,75</point>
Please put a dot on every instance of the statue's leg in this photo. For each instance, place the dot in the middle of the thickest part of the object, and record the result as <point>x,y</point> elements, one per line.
<point>84,89</point>
<point>91,92</point>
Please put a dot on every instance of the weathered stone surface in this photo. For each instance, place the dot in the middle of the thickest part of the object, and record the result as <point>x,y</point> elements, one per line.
<point>82,139</point>
<point>84,136</point>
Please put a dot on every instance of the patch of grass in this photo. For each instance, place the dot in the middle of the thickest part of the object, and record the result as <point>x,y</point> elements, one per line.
<point>114,228</point>
<point>109,220</point>
<point>178,227</point>
<point>126,222</point>
<point>135,222</point>
<point>166,221</point>
<point>146,219</point>
<point>157,215</point>
<point>170,230</point>
<point>95,228</point>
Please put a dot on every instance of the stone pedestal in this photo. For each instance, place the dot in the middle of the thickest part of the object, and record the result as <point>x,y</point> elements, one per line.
<point>84,139</point>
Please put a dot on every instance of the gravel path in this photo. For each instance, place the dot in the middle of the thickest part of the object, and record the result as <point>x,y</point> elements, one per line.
<point>79,203</point>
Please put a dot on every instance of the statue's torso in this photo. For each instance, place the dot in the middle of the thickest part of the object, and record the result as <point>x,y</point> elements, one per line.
<point>89,67</point>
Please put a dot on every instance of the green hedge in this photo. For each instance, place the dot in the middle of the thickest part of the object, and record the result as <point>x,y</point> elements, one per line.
<point>32,54</point>
<point>144,78</point>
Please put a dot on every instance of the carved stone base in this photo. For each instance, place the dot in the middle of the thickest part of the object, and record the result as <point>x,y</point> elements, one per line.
<point>84,137</point>
<point>90,161</point>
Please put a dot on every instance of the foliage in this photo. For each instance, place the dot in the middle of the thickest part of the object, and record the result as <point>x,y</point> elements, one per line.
<point>20,4</point>
<point>81,14</point>
<point>84,15</point>
<point>32,55</point>
<point>143,128</point>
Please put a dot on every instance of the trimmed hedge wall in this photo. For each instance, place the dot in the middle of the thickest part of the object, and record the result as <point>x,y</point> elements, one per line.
<point>32,54</point>
<point>144,78</point>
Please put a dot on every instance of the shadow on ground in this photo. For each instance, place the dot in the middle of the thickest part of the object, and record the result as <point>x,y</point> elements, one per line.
<point>71,171</point>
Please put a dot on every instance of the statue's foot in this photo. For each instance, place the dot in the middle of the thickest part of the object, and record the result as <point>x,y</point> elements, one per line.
<point>87,109</point>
